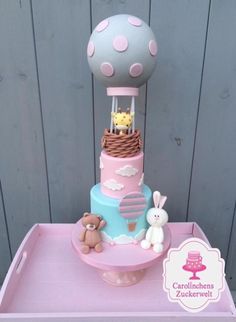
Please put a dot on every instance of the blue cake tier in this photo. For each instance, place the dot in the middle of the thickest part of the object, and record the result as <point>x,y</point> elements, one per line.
<point>125,219</point>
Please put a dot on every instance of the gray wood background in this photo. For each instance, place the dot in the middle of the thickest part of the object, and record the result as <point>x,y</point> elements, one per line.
<point>53,114</point>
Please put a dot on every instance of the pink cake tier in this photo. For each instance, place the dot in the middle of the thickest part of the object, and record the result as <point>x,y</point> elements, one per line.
<point>120,176</point>
<point>194,260</point>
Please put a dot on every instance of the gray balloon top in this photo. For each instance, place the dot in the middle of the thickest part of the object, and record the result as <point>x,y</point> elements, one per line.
<point>122,51</point>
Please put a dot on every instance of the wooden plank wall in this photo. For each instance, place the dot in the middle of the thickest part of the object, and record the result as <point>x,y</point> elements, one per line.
<point>53,114</point>
<point>22,163</point>
<point>61,31</point>
<point>213,188</point>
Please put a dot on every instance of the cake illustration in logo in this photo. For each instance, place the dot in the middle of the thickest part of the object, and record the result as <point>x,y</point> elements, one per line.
<point>194,264</point>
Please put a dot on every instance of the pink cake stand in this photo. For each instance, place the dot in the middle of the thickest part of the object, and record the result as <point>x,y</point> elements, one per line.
<point>120,265</point>
<point>194,271</point>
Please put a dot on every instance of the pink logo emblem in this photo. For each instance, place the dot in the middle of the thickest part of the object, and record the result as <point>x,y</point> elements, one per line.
<point>193,275</point>
<point>194,264</point>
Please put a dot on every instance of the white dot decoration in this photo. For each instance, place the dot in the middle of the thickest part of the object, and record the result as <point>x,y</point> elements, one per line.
<point>120,43</point>
<point>134,21</point>
<point>136,70</point>
<point>152,47</point>
<point>107,69</point>
<point>102,25</point>
<point>90,49</point>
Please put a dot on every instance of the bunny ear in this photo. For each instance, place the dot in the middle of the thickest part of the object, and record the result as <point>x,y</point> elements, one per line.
<point>156,198</point>
<point>162,201</point>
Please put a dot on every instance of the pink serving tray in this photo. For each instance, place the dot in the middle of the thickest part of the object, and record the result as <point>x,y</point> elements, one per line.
<point>47,281</point>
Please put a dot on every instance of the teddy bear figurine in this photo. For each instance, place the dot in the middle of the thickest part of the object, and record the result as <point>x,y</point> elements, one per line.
<point>90,236</point>
<point>157,218</point>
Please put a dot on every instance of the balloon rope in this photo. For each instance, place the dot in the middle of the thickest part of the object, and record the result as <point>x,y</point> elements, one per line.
<point>112,111</point>
<point>133,112</point>
<point>116,104</point>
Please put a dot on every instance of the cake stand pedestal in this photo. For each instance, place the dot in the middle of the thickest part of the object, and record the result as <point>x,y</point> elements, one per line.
<point>194,271</point>
<point>120,265</point>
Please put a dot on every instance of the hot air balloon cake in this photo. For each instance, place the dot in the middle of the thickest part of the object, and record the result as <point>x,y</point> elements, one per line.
<point>122,54</point>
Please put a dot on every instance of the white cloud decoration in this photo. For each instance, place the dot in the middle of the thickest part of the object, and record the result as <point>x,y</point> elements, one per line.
<point>127,171</point>
<point>113,185</point>
<point>123,239</point>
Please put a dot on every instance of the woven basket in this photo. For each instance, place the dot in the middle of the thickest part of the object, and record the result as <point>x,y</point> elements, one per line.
<point>122,145</point>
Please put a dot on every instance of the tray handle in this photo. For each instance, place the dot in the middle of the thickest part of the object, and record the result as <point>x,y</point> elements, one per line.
<point>17,265</point>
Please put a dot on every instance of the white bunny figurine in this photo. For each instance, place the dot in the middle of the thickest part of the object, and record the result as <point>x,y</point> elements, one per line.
<point>157,218</point>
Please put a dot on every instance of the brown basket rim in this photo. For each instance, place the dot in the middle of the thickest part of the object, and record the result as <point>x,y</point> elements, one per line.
<point>122,145</point>
<point>136,133</point>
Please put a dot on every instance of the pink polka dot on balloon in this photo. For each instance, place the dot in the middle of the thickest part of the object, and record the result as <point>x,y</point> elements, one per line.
<point>107,69</point>
<point>120,43</point>
<point>136,70</point>
<point>152,47</point>
<point>135,21</point>
<point>90,49</point>
<point>102,25</point>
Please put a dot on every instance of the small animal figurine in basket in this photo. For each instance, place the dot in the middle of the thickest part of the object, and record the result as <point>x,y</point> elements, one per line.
<point>157,218</point>
<point>122,121</point>
<point>90,236</point>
